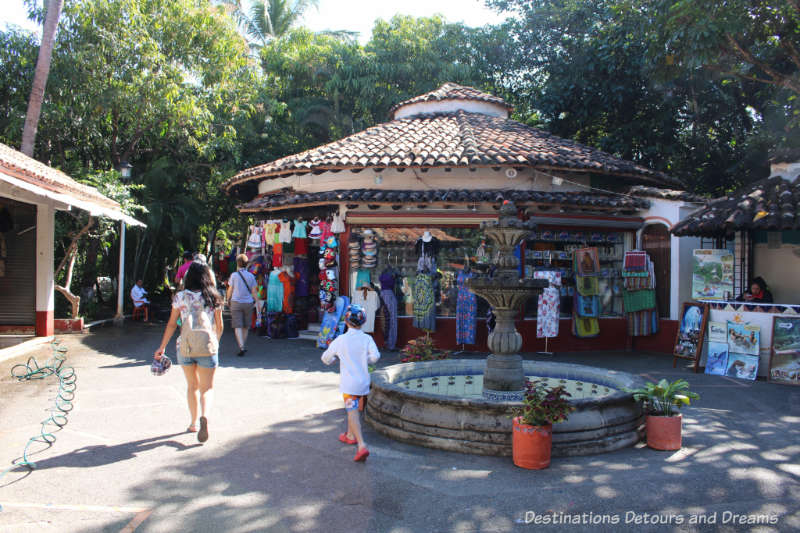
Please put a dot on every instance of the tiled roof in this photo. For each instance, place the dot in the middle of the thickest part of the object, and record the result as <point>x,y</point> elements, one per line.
<point>458,139</point>
<point>771,204</point>
<point>290,198</point>
<point>32,171</point>
<point>643,191</point>
<point>452,91</point>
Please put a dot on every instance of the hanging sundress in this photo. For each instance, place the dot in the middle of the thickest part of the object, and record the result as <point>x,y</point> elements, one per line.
<point>254,241</point>
<point>285,235</point>
<point>274,293</point>
<point>424,303</point>
<point>466,310</point>
<point>338,223</point>
<point>549,308</point>
<point>269,233</point>
<point>299,229</point>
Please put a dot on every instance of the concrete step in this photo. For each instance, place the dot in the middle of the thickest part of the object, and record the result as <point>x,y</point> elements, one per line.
<point>313,327</point>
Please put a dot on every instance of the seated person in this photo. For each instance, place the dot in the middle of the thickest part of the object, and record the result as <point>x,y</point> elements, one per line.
<point>758,292</point>
<point>138,295</point>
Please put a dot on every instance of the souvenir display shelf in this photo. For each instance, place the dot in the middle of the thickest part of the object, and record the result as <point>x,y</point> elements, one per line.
<point>553,250</point>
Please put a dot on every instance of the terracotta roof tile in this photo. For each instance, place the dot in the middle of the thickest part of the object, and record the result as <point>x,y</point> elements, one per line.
<point>36,173</point>
<point>288,198</point>
<point>452,91</point>
<point>457,139</point>
<point>769,204</point>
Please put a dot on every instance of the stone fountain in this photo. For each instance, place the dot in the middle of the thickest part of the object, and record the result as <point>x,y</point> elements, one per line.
<point>464,404</point>
<point>506,292</point>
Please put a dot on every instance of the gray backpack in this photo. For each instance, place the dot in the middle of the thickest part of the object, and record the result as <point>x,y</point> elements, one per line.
<point>198,335</point>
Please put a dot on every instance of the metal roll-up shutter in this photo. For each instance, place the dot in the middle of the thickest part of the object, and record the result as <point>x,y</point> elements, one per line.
<point>18,283</point>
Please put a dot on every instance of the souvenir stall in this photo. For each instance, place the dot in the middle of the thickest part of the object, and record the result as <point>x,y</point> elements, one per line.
<point>410,196</point>
<point>751,235</point>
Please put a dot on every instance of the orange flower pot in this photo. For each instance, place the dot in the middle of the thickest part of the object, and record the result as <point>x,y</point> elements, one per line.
<point>531,445</point>
<point>664,432</point>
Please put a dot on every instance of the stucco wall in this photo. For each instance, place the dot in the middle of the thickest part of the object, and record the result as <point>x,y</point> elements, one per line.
<point>460,178</point>
<point>780,268</point>
<point>451,106</point>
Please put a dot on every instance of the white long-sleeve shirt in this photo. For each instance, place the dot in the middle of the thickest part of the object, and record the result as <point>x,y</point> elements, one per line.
<point>355,350</point>
<point>138,295</point>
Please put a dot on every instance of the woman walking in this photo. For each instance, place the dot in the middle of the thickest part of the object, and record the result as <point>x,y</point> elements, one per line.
<point>242,294</point>
<point>199,306</point>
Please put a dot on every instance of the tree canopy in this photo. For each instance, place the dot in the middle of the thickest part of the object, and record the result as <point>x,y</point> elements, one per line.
<point>191,91</point>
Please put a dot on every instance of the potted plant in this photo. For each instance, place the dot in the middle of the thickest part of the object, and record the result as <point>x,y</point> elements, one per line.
<point>663,421</point>
<point>422,349</point>
<point>532,427</point>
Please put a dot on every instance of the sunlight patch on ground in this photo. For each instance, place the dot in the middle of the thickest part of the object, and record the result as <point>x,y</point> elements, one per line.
<point>769,482</point>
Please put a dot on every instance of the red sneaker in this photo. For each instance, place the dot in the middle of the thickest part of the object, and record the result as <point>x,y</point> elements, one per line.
<point>361,455</point>
<point>343,438</point>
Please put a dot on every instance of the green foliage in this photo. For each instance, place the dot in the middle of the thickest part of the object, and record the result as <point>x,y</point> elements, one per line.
<point>660,398</point>
<point>422,349</point>
<point>542,406</point>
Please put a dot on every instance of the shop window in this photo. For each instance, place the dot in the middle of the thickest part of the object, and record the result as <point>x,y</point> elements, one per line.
<point>552,249</point>
<point>396,249</point>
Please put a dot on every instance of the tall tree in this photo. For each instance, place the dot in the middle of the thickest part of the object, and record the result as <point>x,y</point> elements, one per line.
<point>52,14</point>
<point>267,19</point>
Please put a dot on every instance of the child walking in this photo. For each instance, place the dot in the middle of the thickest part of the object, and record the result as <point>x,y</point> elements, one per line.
<point>355,350</point>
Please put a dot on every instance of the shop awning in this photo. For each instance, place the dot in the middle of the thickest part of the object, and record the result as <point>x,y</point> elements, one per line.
<point>772,204</point>
<point>27,179</point>
<point>397,198</point>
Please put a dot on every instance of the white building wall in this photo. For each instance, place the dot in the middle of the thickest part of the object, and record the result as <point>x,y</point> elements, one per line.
<point>780,268</point>
<point>668,213</point>
<point>414,179</point>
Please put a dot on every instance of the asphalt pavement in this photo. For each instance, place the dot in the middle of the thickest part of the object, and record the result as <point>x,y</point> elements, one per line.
<point>273,462</point>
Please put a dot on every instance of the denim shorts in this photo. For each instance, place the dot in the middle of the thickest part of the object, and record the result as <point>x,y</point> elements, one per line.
<point>203,362</point>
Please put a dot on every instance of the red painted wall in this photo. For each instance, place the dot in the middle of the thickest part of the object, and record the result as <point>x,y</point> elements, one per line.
<point>613,336</point>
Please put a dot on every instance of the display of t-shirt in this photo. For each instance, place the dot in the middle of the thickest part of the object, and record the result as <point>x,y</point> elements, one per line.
<point>370,301</point>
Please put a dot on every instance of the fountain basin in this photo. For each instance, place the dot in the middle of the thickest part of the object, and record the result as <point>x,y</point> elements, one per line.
<point>603,421</point>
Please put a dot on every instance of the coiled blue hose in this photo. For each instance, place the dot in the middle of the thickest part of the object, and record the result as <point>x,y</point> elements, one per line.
<point>62,405</point>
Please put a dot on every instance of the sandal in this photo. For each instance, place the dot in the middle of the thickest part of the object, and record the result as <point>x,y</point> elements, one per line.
<point>361,455</point>
<point>191,429</point>
<point>343,438</point>
<point>202,435</point>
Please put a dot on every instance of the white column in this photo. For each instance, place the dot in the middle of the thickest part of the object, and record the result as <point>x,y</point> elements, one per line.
<point>45,281</point>
<point>119,317</point>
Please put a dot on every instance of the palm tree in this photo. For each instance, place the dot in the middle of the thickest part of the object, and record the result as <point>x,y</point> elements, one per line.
<point>267,19</point>
<point>51,17</point>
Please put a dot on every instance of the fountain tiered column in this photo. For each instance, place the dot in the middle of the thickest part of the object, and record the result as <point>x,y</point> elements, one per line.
<point>506,292</point>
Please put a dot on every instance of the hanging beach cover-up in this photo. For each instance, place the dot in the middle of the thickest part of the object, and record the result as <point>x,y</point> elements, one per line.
<point>274,292</point>
<point>424,303</point>
<point>466,310</point>
<point>549,308</point>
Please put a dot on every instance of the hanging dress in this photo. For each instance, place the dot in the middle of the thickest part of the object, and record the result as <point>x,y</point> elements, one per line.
<point>285,234</point>
<point>299,229</point>
<point>269,233</point>
<point>337,226</point>
<point>274,293</point>
<point>287,281</point>
<point>390,303</point>
<point>424,303</point>
<point>548,311</point>
<point>466,310</point>
<point>254,241</point>
<point>314,232</point>
<point>301,271</point>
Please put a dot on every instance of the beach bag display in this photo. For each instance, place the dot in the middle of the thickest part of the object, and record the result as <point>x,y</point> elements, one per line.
<point>198,338</point>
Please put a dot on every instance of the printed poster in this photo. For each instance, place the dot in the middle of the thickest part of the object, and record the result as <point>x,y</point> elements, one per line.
<point>742,366</point>
<point>718,332</point>
<point>717,363</point>
<point>784,365</point>
<point>744,338</point>
<point>712,275</point>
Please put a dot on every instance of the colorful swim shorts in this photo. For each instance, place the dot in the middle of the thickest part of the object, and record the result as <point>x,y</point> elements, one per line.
<point>352,402</point>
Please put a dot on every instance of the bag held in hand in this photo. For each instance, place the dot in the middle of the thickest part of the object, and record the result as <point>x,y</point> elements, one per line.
<point>198,338</point>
